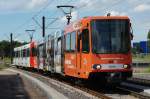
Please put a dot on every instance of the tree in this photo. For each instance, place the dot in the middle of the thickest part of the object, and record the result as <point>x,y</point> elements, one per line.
<point>5,47</point>
<point>148,36</point>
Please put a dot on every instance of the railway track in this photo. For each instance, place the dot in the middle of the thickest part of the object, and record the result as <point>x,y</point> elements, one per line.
<point>79,90</point>
<point>134,93</point>
<point>136,87</point>
<point>145,82</point>
<point>70,89</point>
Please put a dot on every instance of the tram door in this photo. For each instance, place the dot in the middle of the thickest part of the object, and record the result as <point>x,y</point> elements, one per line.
<point>58,56</point>
<point>82,52</point>
<point>52,55</point>
<point>40,56</point>
<point>78,53</point>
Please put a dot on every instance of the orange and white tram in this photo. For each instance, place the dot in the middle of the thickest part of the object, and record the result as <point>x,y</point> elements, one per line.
<point>25,55</point>
<point>92,47</point>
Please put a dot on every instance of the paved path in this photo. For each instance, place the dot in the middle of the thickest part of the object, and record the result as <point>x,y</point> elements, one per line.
<point>13,87</point>
<point>47,90</point>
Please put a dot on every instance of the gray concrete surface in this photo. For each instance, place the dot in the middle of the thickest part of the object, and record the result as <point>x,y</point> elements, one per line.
<point>48,91</point>
<point>12,86</point>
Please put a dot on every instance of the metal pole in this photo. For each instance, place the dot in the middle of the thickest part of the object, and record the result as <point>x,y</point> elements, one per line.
<point>43,27</point>
<point>11,47</point>
<point>43,35</point>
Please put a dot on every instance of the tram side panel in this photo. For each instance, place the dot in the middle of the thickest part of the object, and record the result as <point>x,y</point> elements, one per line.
<point>40,56</point>
<point>15,59</point>
<point>54,53</point>
<point>33,55</point>
<point>58,56</point>
<point>50,53</point>
<point>26,58</point>
<point>57,52</point>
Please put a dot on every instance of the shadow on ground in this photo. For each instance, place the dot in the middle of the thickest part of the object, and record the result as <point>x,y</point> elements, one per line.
<point>12,87</point>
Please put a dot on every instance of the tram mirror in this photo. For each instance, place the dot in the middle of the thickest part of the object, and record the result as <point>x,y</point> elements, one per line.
<point>131,36</point>
<point>131,32</point>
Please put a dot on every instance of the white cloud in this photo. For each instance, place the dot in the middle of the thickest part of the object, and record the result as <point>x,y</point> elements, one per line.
<point>83,3</point>
<point>36,3</point>
<point>74,15</point>
<point>20,5</point>
<point>142,7</point>
<point>116,13</point>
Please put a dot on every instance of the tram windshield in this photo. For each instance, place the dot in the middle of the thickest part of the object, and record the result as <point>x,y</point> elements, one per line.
<point>110,36</point>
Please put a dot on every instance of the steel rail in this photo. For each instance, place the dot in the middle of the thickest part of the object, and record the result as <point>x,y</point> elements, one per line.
<point>136,94</point>
<point>82,88</point>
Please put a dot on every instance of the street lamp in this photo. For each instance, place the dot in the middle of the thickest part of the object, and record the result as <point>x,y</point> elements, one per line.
<point>67,13</point>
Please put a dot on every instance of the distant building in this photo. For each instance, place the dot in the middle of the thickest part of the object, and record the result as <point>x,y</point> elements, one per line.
<point>142,46</point>
<point>136,45</point>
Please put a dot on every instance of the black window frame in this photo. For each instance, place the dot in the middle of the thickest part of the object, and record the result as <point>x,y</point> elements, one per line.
<point>129,43</point>
<point>24,52</point>
<point>21,54</point>
<point>70,42</point>
<point>34,51</point>
<point>28,52</point>
<point>69,39</point>
<point>78,41</point>
<point>84,41</point>
<point>72,33</point>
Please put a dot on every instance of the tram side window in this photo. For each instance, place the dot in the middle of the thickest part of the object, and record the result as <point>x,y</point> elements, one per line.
<point>34,51</point>
<point>41,51</point>
<point>59,46</point>
<point>28,52</point>
<point>24,52</point>
<point>85,41</point>
<point>15,54</point>
<point>78,42</point>
<point>68,42</point>
<point>18,54</point>
<point>73,41</point>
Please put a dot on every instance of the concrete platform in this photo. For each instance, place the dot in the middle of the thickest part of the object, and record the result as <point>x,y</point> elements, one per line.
<point>13,87</point>
<point>46,90</point>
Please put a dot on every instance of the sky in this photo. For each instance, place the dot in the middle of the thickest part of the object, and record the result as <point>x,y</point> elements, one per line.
<point>17,16</point>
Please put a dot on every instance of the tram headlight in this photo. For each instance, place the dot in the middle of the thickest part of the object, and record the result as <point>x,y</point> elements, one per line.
<point>125,66</point>
<point>96,66</point>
